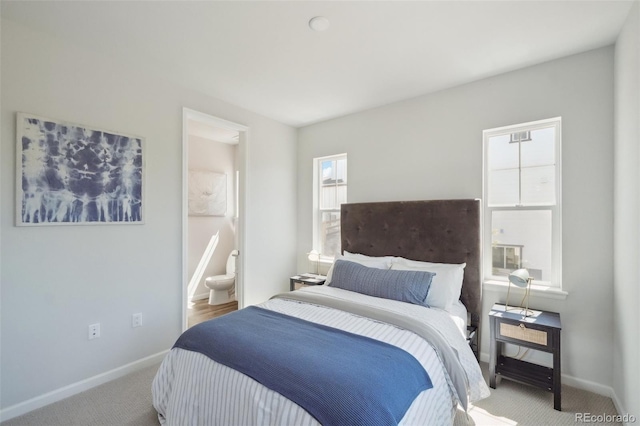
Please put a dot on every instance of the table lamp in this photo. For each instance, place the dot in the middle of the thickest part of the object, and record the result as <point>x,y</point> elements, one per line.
<point>314,256</point>
<point>520,278</point>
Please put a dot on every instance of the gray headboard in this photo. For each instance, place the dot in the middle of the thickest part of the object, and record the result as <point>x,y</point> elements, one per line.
<point>442,231</point>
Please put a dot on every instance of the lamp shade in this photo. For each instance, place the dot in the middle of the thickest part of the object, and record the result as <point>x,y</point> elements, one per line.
<point>519,277</point>
<point>314,256</point>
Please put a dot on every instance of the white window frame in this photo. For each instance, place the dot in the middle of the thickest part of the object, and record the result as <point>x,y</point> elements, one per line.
<point>556,210</point>
<point>317,212</point>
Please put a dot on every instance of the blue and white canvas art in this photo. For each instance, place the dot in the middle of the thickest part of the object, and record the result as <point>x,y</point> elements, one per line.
<point>72,174</point>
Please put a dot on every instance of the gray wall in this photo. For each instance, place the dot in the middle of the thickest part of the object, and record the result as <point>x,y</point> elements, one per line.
<point>626,352</point>
<point>56,280</point>
<point>430,147</point>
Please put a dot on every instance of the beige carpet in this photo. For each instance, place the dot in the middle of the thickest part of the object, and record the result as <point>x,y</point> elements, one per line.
<point>513,403</point>
<point>122,402</point>
<point>127,401</point>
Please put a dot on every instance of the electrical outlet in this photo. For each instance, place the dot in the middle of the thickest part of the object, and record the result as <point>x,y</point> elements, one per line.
<point>94,331</point>
<point>136,320</point>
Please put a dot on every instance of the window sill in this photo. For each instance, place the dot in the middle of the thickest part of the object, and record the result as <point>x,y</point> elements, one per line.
<point>536,290</point>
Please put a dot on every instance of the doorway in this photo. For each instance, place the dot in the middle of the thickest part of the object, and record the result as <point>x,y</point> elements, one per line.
<point>214,150</point>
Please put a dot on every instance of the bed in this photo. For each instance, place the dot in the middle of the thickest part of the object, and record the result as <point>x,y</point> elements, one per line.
<point>365,348</point>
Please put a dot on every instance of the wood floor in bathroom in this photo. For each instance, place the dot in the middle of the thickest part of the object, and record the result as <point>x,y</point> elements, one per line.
<point>202,311</point>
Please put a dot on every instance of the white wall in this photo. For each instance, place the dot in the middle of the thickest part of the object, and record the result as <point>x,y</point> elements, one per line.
<point>430,147</point>
<point>58,279</point>
<point>205,154</point>
<point>626,349</point>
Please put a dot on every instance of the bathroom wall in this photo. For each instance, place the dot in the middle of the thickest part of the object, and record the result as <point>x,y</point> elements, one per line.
<point>219,157</point>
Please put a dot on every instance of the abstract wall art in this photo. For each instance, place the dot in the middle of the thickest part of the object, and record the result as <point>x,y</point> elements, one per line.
<point>70,174</point>
<point>207,193</point>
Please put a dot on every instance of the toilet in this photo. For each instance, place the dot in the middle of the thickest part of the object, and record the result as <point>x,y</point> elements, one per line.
<point>219,285</point>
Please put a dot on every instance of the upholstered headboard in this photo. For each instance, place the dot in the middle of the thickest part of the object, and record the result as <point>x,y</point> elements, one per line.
<point>442,231</point>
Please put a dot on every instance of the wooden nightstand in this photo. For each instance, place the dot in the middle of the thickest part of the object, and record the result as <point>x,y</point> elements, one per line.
<point>304,280</point>
<point>541,332</point>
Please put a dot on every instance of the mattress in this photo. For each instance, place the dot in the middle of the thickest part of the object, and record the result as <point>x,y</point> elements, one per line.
<point>191,389</point>
<point>458,314</point>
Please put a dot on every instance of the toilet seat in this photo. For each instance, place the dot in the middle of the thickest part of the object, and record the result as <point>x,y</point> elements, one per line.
<point>220,282</point>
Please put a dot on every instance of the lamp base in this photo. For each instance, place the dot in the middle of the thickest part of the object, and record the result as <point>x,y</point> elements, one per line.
<point>525,312</point>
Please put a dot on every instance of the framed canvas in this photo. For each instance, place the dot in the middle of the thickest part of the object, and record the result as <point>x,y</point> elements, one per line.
<point>71,174</point>
<point>207,193</point>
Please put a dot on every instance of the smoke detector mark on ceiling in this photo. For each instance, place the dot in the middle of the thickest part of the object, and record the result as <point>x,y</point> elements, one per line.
<point>319,23</point>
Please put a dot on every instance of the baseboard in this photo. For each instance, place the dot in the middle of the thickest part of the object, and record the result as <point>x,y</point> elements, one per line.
<point>200,296</point>
<point>587,385</point>
<point>620,408</point>
<point>576,383</point>
<point>81,386</point>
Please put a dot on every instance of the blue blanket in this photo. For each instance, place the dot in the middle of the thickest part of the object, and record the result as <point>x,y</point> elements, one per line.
<point>340,378</point>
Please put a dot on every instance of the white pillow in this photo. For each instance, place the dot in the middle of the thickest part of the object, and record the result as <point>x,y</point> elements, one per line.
<point>422,264</point>
<point>371,262</point>
<point>445,286</point>
<point>357,257</point>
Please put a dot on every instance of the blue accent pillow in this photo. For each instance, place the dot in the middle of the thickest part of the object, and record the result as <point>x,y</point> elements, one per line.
<point>405,286</point>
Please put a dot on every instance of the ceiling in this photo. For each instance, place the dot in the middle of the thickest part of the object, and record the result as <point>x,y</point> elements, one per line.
<point>262,56</point>
<point>211,132</point>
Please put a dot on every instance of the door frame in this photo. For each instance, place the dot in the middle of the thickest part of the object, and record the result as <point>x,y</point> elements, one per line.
<point>243,153</point>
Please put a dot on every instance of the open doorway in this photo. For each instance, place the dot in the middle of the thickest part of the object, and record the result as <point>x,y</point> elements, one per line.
<point>213,185</point>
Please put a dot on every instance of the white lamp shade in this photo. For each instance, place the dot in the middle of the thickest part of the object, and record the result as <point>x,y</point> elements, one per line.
<point>519,277</point>
<point>314,256</point>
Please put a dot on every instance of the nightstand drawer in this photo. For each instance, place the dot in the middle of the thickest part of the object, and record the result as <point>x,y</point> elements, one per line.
<point>523,333</point>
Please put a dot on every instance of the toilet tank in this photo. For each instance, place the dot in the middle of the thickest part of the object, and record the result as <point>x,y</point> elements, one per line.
<point>231,262</point>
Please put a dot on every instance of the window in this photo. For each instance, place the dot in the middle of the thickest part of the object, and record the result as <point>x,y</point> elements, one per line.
<point>522,201</point>
<point>506,256</point>
<point>330,191</point>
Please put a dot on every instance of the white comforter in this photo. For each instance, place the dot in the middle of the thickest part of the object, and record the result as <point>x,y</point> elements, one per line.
<point>191,389</point>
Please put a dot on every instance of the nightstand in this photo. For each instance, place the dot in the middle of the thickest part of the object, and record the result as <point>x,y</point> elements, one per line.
<point>304,280</point>
<point>541,332</point>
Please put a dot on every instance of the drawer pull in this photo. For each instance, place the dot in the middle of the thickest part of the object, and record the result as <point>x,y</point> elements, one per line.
<point>520,332</point>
